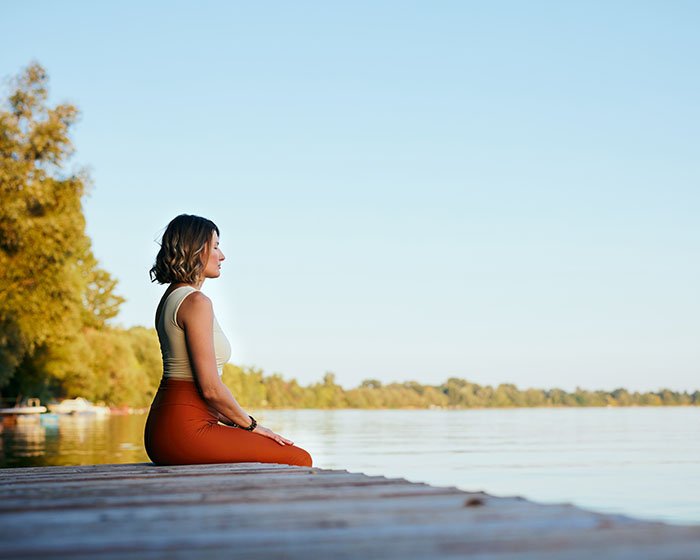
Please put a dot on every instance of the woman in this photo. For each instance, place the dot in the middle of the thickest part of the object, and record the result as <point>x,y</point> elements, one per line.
<point>183,423</point>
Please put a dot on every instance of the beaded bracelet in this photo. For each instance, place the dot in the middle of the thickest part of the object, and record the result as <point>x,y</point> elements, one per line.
<point>249,428</point>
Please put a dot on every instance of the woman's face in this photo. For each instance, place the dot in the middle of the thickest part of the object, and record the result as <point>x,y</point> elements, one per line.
<point>212,268</point>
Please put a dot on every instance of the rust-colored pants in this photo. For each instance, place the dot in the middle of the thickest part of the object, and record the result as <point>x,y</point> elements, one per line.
<point>182,430</point>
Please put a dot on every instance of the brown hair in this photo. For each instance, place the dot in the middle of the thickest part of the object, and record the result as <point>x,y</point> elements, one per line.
<point>184,242</point>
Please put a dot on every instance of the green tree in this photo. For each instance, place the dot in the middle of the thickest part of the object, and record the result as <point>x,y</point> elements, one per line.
<point>621,397</point>
<point>534,397</point>
<point>371,384</point>
<point>329,394</point>
<point>246,384</point>
<point>50,287</point>
<point>100,303</point>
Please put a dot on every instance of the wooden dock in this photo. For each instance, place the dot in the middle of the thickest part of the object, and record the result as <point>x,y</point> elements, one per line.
<point>263,511</point>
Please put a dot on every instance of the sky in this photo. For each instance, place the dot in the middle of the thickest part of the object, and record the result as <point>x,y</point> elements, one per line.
<point>505,192</point>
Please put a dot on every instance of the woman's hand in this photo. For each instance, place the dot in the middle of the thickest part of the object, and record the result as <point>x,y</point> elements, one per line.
<point>263,431</point>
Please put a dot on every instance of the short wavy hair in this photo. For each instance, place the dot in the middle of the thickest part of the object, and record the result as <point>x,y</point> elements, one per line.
<point>184,250</point>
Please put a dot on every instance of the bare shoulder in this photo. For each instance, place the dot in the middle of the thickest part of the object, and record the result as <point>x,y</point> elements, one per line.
<point>195,307</point>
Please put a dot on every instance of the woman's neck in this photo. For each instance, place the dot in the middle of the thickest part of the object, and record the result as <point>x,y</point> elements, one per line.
<point>196,285</point>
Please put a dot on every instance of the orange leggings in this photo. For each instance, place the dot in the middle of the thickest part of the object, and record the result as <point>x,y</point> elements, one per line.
<point>182,430</point>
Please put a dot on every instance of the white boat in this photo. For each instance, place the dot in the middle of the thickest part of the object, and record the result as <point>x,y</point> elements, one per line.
<point>78,405</point>
<point>33,406</point>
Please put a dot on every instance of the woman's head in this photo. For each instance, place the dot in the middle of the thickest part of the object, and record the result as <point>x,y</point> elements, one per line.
<point>185,253</point>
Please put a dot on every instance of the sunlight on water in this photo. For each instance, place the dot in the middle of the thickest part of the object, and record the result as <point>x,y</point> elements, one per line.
<point>643,462</point>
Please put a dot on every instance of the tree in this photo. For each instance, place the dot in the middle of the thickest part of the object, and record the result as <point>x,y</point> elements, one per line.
<point>328,394</point>
<point>371,384</point>
<point>100,303</point>
<point>50,286</point>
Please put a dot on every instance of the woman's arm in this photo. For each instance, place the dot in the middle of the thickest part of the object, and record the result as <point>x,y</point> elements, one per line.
<point>197,319</point>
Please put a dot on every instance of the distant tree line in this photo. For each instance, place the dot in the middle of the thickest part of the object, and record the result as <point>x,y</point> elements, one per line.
<point>272,391</point>
<point>124,367</point>
<point>56,302</point>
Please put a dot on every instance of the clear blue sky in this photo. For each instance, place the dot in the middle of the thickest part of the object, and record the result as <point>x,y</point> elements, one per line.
<point>500,191</point>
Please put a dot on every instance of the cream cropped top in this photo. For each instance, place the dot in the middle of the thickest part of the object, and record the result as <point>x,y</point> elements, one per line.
<point>176,360</point>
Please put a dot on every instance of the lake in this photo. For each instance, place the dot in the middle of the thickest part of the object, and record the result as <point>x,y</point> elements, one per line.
<point>643,462</point>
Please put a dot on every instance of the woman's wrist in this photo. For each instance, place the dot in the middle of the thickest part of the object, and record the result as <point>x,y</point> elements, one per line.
<point>250,426</point>
<point>253,424</point>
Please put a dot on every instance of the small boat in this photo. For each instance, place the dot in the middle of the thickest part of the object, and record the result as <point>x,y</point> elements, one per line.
<point>78,405</point>
<point>32,406</point>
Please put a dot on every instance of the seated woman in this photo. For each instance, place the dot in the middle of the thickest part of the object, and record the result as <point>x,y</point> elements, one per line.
<point>183,422</point>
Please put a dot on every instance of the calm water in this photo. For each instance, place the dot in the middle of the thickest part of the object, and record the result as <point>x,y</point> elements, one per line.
<point>644,462</point>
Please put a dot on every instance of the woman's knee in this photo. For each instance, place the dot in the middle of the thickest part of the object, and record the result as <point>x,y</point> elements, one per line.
<point>301,457</point>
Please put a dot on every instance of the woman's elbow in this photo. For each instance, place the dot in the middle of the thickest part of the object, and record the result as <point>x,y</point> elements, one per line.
<point>211,393</point>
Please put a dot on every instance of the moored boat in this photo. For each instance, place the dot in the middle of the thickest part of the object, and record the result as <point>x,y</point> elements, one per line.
<point>32,406</point>
<point>78,405</point>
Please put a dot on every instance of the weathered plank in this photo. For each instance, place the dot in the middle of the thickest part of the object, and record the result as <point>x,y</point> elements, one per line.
<point>113,497</point>
<point>145,470</point>
<point>256,510</point>
<point>202,481</point>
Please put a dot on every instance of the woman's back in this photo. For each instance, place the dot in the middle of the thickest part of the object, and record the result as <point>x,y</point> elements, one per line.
<point>173,346</point>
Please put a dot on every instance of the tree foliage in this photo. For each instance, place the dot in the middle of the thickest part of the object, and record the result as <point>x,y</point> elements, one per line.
<point>50,286</point>
<point>254,389</point>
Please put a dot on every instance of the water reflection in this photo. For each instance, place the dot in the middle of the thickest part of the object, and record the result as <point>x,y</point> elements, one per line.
<point>29,436</point>
<point>71,440</point>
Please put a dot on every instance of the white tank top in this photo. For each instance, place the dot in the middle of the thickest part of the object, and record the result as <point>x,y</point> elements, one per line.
<point>173,348</point>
